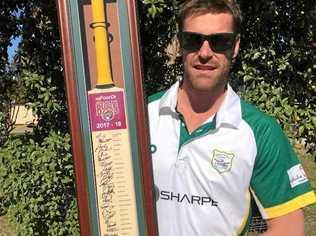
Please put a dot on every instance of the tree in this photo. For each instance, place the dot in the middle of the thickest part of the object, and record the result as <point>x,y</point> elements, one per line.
<point>36,171</point>
<point>277,63</point>
<point>157,29</point>
<point>39,66</point>
<point>9,28</point>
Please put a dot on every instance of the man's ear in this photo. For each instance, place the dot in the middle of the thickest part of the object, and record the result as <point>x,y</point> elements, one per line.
<point>236,46</point>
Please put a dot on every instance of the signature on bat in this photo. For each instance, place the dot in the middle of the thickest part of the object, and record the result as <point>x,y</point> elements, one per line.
<point>106,183</point>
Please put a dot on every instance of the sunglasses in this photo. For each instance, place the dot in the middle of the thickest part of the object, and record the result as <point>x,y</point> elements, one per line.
<point>219,42</point>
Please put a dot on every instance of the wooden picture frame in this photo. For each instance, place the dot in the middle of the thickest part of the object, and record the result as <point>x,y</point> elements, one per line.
<point>74,21</point>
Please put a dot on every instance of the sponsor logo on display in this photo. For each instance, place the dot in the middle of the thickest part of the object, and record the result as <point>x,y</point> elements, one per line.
<point>297,175</point>
<point>107,109</point>
<point>222,161</point>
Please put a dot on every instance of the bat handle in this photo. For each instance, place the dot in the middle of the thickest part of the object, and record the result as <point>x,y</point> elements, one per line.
<point>104,78</point>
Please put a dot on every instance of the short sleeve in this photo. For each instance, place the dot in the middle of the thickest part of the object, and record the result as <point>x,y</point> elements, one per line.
<point>279,183</point>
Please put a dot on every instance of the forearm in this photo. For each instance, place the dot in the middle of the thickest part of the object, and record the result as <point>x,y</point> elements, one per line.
<point>291,224</point>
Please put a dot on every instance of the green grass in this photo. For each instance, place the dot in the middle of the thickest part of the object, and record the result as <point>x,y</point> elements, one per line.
<point>310,220</point>
<point>310,211</point>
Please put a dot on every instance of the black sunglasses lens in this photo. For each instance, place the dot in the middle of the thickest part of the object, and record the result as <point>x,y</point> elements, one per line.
<point>191,41</point>
<point>220,42</point>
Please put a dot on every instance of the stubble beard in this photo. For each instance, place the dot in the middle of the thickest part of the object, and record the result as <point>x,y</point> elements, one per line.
<point>201,84</point>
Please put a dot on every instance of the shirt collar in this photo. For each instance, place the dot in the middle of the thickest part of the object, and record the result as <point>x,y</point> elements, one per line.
<point>168,101</point>
<point>229,113</point>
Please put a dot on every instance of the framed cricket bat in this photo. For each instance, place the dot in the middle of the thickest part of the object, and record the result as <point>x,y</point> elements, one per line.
<point>107,117</point>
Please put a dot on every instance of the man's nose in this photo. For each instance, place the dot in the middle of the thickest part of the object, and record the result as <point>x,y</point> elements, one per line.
<point>206,51</point>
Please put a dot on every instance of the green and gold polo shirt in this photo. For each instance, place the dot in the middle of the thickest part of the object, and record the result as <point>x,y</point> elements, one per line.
<point>205,180</point>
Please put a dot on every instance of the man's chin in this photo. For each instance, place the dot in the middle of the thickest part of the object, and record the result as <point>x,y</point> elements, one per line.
<point>203,87</point>
<point>206,85</point>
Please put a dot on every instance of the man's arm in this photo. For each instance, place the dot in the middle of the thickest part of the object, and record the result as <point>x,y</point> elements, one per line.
<point>291,224</point>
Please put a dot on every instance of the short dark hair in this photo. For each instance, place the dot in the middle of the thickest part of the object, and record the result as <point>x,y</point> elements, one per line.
<point>192,7</point>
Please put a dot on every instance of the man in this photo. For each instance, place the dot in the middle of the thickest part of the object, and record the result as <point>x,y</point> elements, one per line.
<point>214,154</point>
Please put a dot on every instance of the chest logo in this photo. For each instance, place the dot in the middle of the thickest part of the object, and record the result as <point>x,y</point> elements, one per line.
<point>222,161</point>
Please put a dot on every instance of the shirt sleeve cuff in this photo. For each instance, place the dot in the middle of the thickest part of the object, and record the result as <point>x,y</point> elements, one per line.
<point>292,205</point>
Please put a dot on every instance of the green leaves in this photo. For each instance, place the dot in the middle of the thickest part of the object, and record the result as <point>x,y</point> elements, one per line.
<point>43,96</point>
<point>154,7</point>
<point>157,30</point>
<point>37,190</point>
<point>275,83</point>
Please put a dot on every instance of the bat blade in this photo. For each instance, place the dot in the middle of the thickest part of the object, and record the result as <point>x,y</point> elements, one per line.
<point>114,178</point>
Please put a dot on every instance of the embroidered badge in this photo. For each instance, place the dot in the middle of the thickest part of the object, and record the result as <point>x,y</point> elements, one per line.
<point>222,161</point>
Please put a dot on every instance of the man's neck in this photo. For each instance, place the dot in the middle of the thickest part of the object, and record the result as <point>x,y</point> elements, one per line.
<point>197,106</point>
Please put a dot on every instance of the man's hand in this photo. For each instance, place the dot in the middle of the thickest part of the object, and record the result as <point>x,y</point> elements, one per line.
<point>291,224</point>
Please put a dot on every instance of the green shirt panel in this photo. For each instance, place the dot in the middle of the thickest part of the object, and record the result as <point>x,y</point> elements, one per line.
<point>155,96</point>
<point>186,137</point>
<point>275,156</point>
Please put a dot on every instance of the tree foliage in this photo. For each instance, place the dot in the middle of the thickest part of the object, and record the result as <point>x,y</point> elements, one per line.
<point>40,54</point>
<point>37,190</point>
<point>9,28</point>
<point>157,29</point>
<point>277,64</point>
<point>37,185</point>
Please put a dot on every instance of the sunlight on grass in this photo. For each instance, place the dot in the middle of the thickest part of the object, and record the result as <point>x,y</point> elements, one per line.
<point>5,228</point>
<point>310,211</point>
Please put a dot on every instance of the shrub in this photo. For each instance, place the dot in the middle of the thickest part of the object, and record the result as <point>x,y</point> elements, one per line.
<point>37,191</point>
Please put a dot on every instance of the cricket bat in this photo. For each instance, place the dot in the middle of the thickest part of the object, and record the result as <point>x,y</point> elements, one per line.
<point>114,180</point>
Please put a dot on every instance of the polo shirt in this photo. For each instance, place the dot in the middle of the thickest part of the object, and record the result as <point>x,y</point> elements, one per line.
<point>205,181</point>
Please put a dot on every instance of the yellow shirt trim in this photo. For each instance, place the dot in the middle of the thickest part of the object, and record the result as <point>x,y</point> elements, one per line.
<point>245,218</point>
<point>292,205</point>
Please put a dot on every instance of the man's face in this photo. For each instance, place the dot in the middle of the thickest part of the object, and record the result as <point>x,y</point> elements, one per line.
<point>204,69</point>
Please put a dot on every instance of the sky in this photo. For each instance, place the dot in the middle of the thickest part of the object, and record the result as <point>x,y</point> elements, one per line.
<point>15,41</point>
<point>12,50</point>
